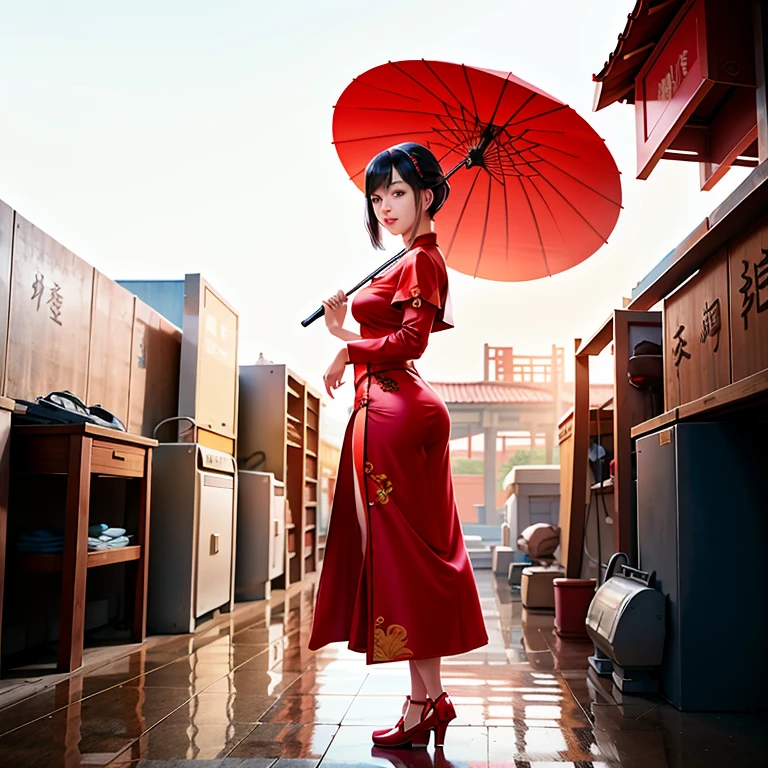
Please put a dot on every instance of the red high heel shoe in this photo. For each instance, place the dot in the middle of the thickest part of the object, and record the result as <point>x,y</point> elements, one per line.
<point>417,740</point>
<point>435,716</point>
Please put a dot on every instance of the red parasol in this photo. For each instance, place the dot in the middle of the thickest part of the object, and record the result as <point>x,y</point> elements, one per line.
<point>538,192</point>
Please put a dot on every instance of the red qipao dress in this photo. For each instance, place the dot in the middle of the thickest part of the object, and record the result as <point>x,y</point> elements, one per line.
<point>396,582</point>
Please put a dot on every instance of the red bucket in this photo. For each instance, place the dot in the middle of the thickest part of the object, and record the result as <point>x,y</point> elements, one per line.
<point>572,599</point>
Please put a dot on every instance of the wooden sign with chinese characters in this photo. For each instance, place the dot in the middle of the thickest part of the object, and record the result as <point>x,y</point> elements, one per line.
<point>748,271</point>
<point>697,336</point>
<point>705,54</point>
<point>109,370</point>
<point>50,316</point>
<point>154,394</point>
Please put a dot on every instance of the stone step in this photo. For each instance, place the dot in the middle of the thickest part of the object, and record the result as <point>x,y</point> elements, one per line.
<point>481,559</point>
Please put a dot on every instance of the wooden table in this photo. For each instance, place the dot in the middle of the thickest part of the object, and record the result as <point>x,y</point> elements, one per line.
<point>80,451</point>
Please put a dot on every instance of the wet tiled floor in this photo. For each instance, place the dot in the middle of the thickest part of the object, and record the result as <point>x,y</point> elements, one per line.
<point>245,692</point>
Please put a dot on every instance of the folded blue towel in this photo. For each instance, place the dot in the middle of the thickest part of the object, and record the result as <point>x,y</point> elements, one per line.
<point>42,535</point>
<point>98,529</point>
<point>113,533</point>
<point>39,549</point>
<point>117,543</point>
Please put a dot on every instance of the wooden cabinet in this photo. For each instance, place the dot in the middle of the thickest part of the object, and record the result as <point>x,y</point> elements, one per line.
<point>81,451</point>
<point>279,416</point>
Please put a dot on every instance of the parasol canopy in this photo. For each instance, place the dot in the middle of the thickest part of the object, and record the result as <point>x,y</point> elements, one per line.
<point>534,190</point>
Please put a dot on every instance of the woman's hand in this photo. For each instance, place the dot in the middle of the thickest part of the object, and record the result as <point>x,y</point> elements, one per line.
<point>335,373</point>
<point>335,312</point>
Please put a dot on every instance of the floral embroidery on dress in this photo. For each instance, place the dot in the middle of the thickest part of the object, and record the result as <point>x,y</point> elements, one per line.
<point>387,384</point>
<point>416,292</point>
<point>383,483</point>
<point>363,402</point>
<point>390,645</point>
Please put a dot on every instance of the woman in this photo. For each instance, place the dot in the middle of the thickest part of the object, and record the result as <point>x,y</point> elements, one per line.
<point>396,581</point>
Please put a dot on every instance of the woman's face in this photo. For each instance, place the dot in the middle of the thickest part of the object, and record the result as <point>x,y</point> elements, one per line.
<point>395,206</point>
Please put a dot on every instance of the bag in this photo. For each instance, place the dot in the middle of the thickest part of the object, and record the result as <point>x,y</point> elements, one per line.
<point>64,408</point>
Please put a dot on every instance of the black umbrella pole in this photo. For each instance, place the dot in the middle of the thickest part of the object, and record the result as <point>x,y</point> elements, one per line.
<point>321,310</point>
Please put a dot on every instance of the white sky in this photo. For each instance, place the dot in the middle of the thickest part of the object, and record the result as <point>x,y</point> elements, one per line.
<point>167,137</point>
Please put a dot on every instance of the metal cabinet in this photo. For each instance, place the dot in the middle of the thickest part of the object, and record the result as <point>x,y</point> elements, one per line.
<point>700,505</point>
<point>192,537</point>
<point>261,552</point>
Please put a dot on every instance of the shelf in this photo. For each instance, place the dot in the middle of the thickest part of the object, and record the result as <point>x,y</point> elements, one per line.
<point>291,444</point>
<point>309,426</point>
<point>291,555</point>
<point>311,453</point>
<point>310,503</point>
<point>310,480</point>
<point>293,393</point>
<point>309,528</point>
<point>308,553</point>
<point>604,488</point>
<point>290,526</point>
<point>54,563</point>
<point>293,418</point>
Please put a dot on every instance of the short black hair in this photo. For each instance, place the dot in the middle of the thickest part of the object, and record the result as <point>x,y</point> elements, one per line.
<point>417,167</point>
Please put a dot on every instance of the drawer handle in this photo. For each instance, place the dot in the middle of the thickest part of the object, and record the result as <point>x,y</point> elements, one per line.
<point>277,527</point>
<point>214,543</point>
<point>117,457</point>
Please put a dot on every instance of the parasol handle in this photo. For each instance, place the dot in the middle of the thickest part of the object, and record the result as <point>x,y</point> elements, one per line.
<point>321,311</point>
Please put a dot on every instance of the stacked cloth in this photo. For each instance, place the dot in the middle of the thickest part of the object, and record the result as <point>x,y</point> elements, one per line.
<point>42,541</point>
<point>101,536</point>
<point>50,541</point>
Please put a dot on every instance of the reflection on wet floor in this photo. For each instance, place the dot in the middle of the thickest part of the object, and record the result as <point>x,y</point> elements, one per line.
<point>246,693</point>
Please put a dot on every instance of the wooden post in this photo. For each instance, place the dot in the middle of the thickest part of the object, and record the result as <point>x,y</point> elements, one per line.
<point>469,446</point>
<point>75,564</point>
<point>489,471</point>
<point>139,628</point>
<point>573,544</point>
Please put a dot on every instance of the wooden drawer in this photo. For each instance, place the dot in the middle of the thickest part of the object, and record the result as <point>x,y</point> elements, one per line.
<point>114,459</point>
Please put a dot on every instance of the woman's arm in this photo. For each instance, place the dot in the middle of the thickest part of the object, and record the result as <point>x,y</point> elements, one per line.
<point>406,343</point>
<point>335,313</point>
<point>345,335</point>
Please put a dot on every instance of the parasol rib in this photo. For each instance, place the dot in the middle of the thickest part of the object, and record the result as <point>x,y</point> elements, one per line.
<point>471,95</point>
<point>501,96</point>
<point>461,215</point>
<point>536,224</point>
<point>552,216</point>
<point>485,227</point>
<point>577,179</point>
<point>384,136</point>
<point>383,90</point>
<point>506,223</point>
<point>575,209</point>
<point>424,87</point>
<point>541,114</point>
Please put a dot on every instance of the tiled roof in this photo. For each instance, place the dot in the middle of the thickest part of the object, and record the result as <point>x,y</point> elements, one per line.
<point>510,393</point>
<point>492,392</point>
<point>645,25</point>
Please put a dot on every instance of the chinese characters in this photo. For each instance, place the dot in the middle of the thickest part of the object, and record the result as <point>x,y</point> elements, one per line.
<point>753,291</point>
<point>679,350</point>
<point>669,84</point>
<point>55,300</point>
<point>711,323</point>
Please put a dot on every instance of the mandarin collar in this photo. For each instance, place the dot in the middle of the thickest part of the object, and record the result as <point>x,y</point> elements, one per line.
<point>428,238</point>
